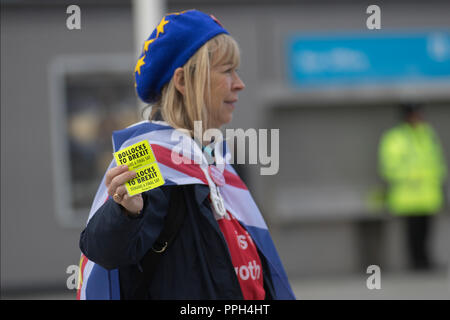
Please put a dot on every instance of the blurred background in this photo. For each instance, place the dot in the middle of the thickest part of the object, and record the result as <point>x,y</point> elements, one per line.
<point>312,69</point>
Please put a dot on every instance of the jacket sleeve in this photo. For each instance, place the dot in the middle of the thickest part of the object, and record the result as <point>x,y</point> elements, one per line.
<point>113,239</point>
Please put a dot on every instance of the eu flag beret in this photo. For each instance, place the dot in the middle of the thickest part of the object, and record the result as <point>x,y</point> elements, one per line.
<point>176,39</point>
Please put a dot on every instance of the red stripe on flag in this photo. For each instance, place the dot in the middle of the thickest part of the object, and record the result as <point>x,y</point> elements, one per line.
<point>188,167</point>
<point>234,180</point>
<point>84,260</point>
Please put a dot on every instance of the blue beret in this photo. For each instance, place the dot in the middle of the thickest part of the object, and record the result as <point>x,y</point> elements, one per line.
<point>177,38</point>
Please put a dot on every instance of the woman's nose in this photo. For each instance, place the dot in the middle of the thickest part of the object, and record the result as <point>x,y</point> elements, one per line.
<point>238,84</point>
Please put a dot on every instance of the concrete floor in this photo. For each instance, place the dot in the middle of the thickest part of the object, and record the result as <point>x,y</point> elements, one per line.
<point>435,285</point>
<point>405,286</point>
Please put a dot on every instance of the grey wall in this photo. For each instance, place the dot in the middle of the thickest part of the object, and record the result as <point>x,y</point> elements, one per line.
<point>36,250</point>
<point>318,200</point>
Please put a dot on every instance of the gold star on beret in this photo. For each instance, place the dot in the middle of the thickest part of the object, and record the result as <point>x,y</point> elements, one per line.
<point>139,64</point>
<point>160,27</point>
<point>147,43</point>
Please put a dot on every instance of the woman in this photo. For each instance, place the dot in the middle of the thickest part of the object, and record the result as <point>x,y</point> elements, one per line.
<point>222,248</point>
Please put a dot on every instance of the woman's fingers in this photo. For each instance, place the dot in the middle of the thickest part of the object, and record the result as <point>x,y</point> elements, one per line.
<point>112,173</point>
<point>120,180</point>
<point>115,182</point>
<point>120,193</point>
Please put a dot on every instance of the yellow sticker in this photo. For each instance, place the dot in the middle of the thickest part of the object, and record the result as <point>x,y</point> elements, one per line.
<point>147,178</point>
<point>140,158</point>
<point>136,155</point>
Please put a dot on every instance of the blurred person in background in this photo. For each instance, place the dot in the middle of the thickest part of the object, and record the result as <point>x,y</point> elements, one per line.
<point>412,163</point>
<point>221,248</point>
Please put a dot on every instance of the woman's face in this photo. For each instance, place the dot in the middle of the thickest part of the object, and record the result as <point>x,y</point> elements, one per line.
<point>225,86</point>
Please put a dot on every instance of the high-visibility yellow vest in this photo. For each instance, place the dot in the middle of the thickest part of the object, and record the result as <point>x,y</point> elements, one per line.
<point>411,161</point>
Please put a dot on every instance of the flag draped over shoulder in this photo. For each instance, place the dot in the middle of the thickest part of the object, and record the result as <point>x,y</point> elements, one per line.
<point>95,282</point>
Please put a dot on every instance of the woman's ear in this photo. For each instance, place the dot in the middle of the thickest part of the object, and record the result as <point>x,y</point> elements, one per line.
<point>178,79</point>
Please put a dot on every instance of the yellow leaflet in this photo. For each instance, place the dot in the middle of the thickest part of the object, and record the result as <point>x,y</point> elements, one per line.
<point>136,155</point>
<point>147,178</point>
<point>140,158</point>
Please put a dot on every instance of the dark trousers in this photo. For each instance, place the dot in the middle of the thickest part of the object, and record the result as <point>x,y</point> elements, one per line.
<point>418,230</point>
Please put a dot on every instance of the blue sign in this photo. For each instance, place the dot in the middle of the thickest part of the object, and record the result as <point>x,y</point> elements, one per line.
<point>381,57</point>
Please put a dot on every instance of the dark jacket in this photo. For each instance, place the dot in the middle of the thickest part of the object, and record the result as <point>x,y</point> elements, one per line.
<point>196,266</point>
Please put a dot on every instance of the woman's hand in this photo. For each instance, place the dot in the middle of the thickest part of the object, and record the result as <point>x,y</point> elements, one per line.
<point>115,182</point>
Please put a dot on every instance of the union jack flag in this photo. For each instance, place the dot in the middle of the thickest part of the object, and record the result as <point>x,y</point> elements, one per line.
<point>97,283</point>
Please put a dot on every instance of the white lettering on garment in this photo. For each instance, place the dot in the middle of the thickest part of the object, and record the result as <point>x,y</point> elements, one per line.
<point>252,270</point>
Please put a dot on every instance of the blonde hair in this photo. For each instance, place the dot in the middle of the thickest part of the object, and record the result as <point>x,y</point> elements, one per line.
<point>180,111</point>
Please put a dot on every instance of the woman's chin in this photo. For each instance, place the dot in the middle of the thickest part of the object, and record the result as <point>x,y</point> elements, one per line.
<point>228,119</point>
